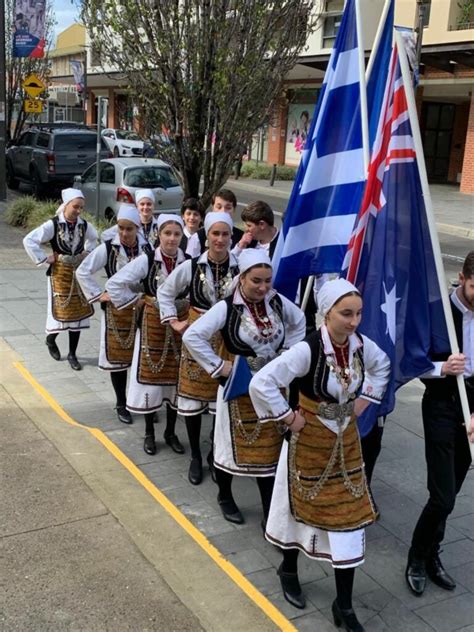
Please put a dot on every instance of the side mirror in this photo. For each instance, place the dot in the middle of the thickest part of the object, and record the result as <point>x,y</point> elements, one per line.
<point>78,180</point>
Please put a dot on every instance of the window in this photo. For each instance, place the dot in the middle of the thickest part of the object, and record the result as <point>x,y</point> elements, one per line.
<point>150,177</point>
<point>42,140</point>
<point>332,18</point>
<point>426,11</point>
<point>91,174</point>
<point>107,173</point>
<point>27,139</point>
<point>75,142</point>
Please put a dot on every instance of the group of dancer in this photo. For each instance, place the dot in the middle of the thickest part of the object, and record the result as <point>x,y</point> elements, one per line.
<point>189,299</point>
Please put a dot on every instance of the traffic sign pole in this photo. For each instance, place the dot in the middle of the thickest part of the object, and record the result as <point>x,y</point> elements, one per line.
<point>3,106</point>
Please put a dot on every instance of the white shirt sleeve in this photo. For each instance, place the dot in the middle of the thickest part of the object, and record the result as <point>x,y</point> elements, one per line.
<point>175,284</point>
<point>265,386</point>
<point>193,249</point>
<point>91,238</point>
<point>376,372</point>
<point>85,273</point>
<point>294,321</point>
<point>118,286</point>
<point>435,372</point>
<point>35,238</point>
<point>197,338</point>
<point>109,233</point>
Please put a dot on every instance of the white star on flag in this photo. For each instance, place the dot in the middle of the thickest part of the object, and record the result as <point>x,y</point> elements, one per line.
<point>390,310</point>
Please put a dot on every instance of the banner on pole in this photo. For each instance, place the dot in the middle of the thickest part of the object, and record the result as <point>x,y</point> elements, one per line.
<point>77,68</point>
<point>28,30</point>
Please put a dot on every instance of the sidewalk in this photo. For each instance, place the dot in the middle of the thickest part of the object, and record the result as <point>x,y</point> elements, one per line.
<point>454,211</point>
<point>382,599</point>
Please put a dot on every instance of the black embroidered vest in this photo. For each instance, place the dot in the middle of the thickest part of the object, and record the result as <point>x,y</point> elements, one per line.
<point>61,245</point>
<point>230,332</point>
<point>314,383</point>
<point>112,256</point>
<point>197,296</point>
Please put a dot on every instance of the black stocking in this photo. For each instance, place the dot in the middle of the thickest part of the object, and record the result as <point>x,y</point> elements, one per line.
<point>224,482</point>
<point>171,416</point>
<point>344,582</point>
<point>73,341</point>
<point>265,487</point>
<point>193,427</point>
<point>290,560</point>
<point>149,426</point>
<point>119,382</point>
<point>51,337</point>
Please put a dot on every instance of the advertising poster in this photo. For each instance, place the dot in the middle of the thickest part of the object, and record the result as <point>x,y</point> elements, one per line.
<point>28,28</point>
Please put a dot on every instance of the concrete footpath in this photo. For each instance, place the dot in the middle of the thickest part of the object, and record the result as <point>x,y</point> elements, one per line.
<point>97,535</point>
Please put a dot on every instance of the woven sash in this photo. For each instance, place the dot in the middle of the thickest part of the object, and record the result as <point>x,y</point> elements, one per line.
<point>327,483</point>
<point>253,443</point>
<point>69,303</point>
<point>120,329</point>
<point>194,382</point>
<point>160,346</point>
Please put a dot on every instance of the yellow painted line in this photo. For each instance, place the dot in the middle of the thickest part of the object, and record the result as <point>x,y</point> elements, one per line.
<point>242,582</point>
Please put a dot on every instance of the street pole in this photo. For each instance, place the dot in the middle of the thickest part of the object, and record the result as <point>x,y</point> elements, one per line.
<point>3,106</point>
<point>84,89</point>
<point>420,21</point>
<point>97,175</point>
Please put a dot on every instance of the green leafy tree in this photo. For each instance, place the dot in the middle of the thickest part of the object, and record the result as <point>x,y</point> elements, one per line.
<point>18,68</point>
<point>207,72</point>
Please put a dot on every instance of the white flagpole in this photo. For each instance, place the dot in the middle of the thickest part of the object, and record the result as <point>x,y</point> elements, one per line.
<point>407,81</point>
<point>363,89</point>
<point>377,39</point>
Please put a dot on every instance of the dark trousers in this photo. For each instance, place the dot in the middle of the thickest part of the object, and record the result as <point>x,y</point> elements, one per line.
<point>448,459</point>
<point>371,445</point>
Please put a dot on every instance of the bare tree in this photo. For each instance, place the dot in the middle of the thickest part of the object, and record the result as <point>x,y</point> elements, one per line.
<point>207,72</point>
<point>18,68</point>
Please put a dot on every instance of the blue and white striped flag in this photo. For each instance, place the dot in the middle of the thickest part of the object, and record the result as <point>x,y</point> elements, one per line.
<point>329,184</point>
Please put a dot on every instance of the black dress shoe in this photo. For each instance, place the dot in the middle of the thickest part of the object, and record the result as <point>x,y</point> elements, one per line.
<point>438,575</point>
<point>174,443</point>
<point>53,349</point>
<point>345,618</point>
<point>212,469</point>
<point>123,415</point>
<point>195,471</point>
<point>290,584</point>
<point>149,444</point>
<point>230,511</point>
<point>74,362</point>
<point>415,575</point>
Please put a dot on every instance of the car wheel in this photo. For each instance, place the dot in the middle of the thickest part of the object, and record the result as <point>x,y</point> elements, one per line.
<point>109,214</point>
<point>37,185</point>
<point>12,182</point>
<point>116,152</point>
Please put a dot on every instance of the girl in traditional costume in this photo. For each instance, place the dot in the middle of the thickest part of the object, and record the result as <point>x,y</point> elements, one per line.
<point>71,238</point>
<point>207,279</point>
<point>321,502</point>
<point>255,323</point>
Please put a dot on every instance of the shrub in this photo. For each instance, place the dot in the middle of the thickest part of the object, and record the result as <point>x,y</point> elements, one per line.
<point>18,212</point>
<point>40,213</point>
<point>263,171</point>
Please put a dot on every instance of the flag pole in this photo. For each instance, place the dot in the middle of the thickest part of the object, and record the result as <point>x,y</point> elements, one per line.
<point>377,38</point>
<point>362,88</point>
<point>420,158</point>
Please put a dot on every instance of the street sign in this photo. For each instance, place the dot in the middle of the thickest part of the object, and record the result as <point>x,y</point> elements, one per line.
<point>33,105</point>
<point>33,86</point>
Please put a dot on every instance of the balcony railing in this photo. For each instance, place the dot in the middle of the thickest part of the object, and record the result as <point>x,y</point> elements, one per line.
<point>461,26</point>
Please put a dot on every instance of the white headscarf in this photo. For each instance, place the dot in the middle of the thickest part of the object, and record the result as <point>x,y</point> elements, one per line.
<point>129,212</point>
<point>144,193</point>
<point>67,195</point>
<point>217,216</point>
<point>253,257</point>
<point>164,218</point>
<point>331,292</point>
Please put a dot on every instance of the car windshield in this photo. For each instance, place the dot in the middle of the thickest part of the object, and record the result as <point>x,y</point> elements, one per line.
<point>126,135</point>
<point>79,142</point>
<point>149,177</point>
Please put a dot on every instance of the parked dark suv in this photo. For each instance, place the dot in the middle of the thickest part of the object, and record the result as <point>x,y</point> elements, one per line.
<point>49,156</point>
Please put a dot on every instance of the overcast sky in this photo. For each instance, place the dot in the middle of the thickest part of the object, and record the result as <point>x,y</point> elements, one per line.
<point>66,13</point>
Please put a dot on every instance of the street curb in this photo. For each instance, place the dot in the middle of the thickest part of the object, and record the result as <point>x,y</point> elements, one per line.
<point>198,582</point>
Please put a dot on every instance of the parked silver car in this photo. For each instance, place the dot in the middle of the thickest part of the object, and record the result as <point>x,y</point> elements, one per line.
<point>120,178</point>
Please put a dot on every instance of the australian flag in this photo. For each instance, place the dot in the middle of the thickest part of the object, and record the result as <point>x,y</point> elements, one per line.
<point>390,255</point>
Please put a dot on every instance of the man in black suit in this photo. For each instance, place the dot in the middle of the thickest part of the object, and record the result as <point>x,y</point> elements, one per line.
<point>446,444</point>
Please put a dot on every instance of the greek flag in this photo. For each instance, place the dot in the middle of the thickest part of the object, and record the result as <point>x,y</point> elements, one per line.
<point>329,184</point>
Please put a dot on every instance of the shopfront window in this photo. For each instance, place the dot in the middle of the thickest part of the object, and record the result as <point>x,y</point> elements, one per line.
<point>300,112</point>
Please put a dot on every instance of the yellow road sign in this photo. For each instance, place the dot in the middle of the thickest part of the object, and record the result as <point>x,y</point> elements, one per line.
<point>33,105</point>
<point>33,85</point>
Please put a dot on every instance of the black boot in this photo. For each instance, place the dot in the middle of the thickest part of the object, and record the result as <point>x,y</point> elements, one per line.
<point>415,574</point>
<point>123,415</point>
<point>210,462</point>
<point>174,443</point>
<point>345,618</point>
<point>53,347</point>
<point>74,362</point>
<point>195,471</point>
<point>149,444</point>
<point>291,587</point>
<point>437,574</point>
<point>230,511</point>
